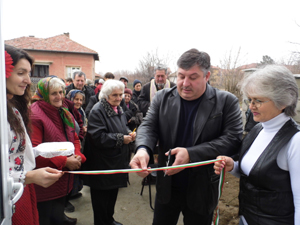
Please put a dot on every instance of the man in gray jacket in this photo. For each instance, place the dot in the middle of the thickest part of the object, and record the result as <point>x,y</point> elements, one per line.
<point>197,122</point>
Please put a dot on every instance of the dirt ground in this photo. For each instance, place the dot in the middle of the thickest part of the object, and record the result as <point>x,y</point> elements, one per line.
<point>132,208</point>
<point>229,203</point>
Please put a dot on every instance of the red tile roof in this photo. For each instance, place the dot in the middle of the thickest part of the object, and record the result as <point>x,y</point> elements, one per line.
<point>59,43</point>
<point>248,66</point>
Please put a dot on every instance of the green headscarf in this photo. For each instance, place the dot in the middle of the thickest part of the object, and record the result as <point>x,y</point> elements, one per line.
<point>42,94</point>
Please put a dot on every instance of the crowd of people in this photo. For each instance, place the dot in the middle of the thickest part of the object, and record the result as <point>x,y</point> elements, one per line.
<point>181,123</point>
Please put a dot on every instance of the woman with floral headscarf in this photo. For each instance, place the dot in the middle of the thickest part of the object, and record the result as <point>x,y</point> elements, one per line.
<point>51,122</point>
<point>21,159</point>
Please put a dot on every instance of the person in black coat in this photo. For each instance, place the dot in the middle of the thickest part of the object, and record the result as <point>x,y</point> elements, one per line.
<point>79,79</point>
<point>137,87</point>
<point>106,148</point>
<point>137,116</point>
<point>135,120</point>
<point>198,123</point>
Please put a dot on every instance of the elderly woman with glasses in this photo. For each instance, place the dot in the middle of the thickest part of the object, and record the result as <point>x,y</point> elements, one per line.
<point>269,155</point>
<point>106,148</point>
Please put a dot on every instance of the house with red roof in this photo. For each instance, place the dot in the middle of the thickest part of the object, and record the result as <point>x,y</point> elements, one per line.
<point>58,55</point>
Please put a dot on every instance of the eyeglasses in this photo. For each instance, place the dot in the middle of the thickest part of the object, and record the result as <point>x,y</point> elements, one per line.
<point>255,102</point>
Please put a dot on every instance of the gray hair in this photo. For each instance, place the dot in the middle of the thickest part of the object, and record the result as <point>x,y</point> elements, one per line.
<point>276,83</point>
<point>89,82</point>
<point>55,83</point>
<point>194,57</point>
<point>161,67</point>
<point>109,86</point>
<point>78,73</point>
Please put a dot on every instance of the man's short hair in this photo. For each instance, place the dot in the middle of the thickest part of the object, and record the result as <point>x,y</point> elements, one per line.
<point>78,73</point>
<point>109,75</point>
<point>96,81</point>
<point>194,57</point>
<point>161,67</point>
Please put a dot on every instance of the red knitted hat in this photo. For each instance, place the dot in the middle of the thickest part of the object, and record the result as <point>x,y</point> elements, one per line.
<point>127,91</point>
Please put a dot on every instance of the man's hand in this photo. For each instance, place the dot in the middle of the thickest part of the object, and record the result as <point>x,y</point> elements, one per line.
<point>181,157</point>
<point>140,161</point>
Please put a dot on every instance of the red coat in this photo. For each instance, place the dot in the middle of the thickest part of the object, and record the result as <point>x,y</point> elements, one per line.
<point>47,126</point>
<point>98,88</point>
<point>26,210</point>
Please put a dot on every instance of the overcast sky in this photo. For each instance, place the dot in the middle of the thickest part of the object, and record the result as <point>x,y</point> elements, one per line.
<point>123,31</point>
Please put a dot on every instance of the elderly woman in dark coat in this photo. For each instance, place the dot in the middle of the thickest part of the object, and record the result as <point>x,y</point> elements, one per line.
<point>106,148</point>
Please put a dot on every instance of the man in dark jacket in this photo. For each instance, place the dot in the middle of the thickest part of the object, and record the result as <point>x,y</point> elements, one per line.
<point>149,90</point>
<point>79,79</point>
<point>197,122</point>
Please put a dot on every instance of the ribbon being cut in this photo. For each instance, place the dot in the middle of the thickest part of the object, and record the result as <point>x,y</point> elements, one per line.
<point>183,166</point>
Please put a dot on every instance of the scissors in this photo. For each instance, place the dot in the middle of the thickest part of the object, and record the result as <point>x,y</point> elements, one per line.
<point>169,157</point>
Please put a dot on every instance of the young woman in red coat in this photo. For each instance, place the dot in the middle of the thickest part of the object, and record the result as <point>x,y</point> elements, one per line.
<point>51,122</point>
<point>18,65</point>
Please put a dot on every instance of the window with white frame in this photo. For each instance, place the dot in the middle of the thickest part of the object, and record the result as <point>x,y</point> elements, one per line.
<point>70,70</point>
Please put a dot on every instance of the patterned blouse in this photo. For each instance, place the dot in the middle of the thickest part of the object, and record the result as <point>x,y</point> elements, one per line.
<point>21,156</point>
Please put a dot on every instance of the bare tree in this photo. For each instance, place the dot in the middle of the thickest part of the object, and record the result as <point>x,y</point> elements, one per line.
<point>231,72</point>
<point>122,73</point>
<point>147,64</point>
<point>294,60</point>
<point>292,63</point>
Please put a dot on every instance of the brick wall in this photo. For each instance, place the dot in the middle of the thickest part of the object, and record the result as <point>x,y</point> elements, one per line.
<point>59,62</point>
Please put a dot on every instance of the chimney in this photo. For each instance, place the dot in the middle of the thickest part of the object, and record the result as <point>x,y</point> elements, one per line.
<point>31,35</point>
<point>67,34</point>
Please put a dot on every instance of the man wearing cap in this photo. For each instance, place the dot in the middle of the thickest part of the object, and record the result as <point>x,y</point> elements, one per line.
<point>124,80</point>
<point>79,79</point>
<point>149,90</point>
<point>193,122</point>
<point>137,87</point>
